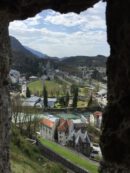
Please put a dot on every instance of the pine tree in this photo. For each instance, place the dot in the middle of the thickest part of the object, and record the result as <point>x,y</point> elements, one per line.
<point>28,93</point>
<point>67,99</point>
<point>75,97</point>
<point>90,102</point>
<point>45,97</point>
<point>73,88</point>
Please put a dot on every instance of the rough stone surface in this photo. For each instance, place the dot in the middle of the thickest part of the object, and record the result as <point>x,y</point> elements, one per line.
<point>21,9</point>
<point>115,139</point>
<point>106,167</point>
<point>5,115</point>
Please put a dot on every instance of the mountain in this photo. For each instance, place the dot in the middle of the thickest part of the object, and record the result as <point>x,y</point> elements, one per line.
<point>96,61</point>
<point>23,60</point>
<point>27,60</point>
<point>31,62</point>
<point>37,53</point>
<point>72,64</point>
<point>40,55</point>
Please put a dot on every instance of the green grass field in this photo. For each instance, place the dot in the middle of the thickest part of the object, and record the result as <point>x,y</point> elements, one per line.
<point>53,87</point>
<point>35,86</point>
<point>69,155</point>
<point>82,104</point>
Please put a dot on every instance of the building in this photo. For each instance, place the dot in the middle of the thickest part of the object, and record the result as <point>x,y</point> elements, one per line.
<point>78,137</point>
<point>51,102</point>
<point>36,101</point>
<point>33,101</point>
<point>22,80</point>
<point>48,127</point>
<point>24,89</point>
<point>84,119</point>
<point>14,76</point>
<point>33,78</point>
<point>80,141</point>
<point>102,93</point>
<point>91,120</point>
<point>98,118</point>
<point>78,124</point>
<point>64,129</point>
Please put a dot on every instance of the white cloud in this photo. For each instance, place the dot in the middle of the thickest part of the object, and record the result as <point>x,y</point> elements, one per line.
<point>93,18</point>
<point>68,20</point>
<point>83,34</point>
<point>34,21</point>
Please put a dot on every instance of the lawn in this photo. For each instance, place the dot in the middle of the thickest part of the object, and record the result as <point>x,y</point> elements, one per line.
<point>53,87</point>
<point>35,86</point>
<point>82,104</point>
<point>69,155</point>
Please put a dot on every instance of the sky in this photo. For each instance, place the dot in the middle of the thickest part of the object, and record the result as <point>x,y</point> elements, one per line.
<point>63,35</point>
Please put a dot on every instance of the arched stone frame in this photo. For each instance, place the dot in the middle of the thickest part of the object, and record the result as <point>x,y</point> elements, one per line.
<point>115,139</point>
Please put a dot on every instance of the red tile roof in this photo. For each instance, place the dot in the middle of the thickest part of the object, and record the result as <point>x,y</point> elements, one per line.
<point>47,123</point>
<point>64,125</point>
<point>97,113</point>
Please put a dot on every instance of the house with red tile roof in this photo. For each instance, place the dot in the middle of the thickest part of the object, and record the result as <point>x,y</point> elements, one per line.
<point>97,118</point>
<point>48,127</point>
<point>64,129</point>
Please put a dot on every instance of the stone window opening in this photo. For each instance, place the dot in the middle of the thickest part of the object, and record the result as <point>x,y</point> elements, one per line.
<point>115,138</point>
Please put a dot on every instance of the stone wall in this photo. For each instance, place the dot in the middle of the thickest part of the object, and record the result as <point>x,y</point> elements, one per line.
<point>51,155</point>
<point>5,112</point>
<point>115,138</point>
<point>22,9</point>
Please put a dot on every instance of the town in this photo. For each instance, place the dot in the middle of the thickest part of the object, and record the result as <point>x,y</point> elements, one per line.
<point>58,104</point>
<point>60,107</point>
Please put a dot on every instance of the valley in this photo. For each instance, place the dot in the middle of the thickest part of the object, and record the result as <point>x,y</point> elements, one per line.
<point>58,100</point>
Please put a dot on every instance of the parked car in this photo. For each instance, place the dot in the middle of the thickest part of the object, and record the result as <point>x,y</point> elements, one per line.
<point>96,152</point>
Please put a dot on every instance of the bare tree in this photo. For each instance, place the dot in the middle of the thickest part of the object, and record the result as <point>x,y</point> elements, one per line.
<point>16,105</point>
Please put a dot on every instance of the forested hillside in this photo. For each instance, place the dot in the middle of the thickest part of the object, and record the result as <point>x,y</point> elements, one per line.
<point>28,61</point>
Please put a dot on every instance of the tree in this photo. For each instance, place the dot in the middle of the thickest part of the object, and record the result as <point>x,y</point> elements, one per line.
<point>97,87</point>
<point>64,89</point>
<point>51,93</point>
<point>72,89</point>
<point>93,103</point>
<point>90,101</point>
<point>57,92</point>
<point>75,97</point>
<point>16,108</point>
<point>67,99</point>
<point>45,97</point>
<point>28,93</point>
<point>62,101</point>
